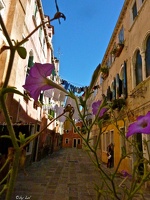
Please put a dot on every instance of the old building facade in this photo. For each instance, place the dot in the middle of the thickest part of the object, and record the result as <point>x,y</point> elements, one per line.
<point>71,138</point>
<point>125,80</point>
<point>20,19</point>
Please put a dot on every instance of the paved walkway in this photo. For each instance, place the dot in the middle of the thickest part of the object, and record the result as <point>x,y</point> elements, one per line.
<point>66,175</point>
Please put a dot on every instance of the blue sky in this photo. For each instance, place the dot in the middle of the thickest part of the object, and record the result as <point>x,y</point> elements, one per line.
<point>80,41</point>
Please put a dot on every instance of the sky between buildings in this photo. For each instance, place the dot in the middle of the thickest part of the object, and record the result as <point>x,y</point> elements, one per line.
<point>80,42</point>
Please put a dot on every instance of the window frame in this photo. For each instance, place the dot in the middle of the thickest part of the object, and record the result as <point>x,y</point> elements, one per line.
<point>147,58</point>
<point>134,10</point>
<point>138,68</point>
<point>66,140</point>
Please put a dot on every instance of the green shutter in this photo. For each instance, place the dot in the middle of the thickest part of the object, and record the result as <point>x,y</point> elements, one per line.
<point>30,61</point>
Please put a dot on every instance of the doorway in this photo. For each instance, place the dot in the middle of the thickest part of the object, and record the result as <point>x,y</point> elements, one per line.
<point>74,142</point>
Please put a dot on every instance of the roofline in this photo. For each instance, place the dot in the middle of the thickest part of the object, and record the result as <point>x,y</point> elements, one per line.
<point>119,21</point>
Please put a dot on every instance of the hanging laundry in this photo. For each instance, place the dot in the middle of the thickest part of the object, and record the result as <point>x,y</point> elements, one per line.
<point>49,93</point>
<point>56,94</point>
<point>72,88</point>
<point>62,96</point>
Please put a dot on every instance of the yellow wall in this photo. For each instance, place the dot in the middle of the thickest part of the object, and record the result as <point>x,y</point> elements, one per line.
<point>126,163</point>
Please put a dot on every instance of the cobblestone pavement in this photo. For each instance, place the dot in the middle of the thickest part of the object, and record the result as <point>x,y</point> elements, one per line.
<point>66,175</point>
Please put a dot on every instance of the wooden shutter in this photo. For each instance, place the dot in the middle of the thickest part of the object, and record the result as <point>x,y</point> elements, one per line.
<point>114,89</point>
<point>125,80</point>
<point>109,94</point>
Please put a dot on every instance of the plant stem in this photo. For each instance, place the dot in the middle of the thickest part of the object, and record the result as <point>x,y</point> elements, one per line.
<point>13,174</point>
<point>15,164</point>
<point>9,124</point>
<point>5,32</point>
<point>12,54</point>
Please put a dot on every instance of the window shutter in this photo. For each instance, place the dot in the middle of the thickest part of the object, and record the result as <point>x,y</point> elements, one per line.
<point>147,57</point>
<point>109,94</point>
<point>125,80</point>
<point>30,62</point>
<point>52,112</point>
<point>117,86</point>
<point>114,89</point>
<point>41,97</point>
<point>120,87</point>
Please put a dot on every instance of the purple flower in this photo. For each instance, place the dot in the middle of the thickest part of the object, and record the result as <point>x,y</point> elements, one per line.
<point>36,81</point>
<point>95,108</point>
<point>142,125</point>
<point>125,173</point>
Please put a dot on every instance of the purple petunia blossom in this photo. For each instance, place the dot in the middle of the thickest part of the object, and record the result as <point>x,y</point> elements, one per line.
<point>36,81</point>
<point>142,125</point>
<point>125,173</point>
<point>95,108</point>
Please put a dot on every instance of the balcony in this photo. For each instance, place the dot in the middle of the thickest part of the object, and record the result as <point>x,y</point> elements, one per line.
<point>104,72</point>
<point>117,49</point>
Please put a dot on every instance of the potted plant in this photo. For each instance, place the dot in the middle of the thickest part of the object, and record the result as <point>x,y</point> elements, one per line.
<point>118,103</point>
<point>119,49</point>
<point>104,71</point>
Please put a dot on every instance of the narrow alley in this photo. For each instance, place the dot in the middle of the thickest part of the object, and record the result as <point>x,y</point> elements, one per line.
<point>68,174</point>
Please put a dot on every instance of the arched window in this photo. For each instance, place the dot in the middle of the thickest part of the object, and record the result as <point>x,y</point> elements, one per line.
<point>118,86</point>
<point>113,89</point>
<point>123,78</point>
<point>138,68</point>
<point>147,57</point>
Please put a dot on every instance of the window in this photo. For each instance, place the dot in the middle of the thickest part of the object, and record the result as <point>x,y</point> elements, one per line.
<point>30,145</point>
<point>66,131</point>
<point>34,16</point>
<point>42,98</point>
<point>35,9</point>
<point>109,94</point>
<point>147,57</point>
<point>138,68</point>
<point>78,128</point>
<point>113,89</point>
<point>30,61</point>
<point>1,5</point>
<point>134,10</point>
<point>123,78</point>
<point>51,112</point>
<point>121,36</point>
<point>101,80</point>
<point>66,140</point>
<point>40,33</point>
<point>79,141</point>
<point>118,86</point>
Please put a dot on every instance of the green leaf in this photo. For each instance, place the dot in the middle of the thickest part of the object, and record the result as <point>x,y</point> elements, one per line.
<point>22,52</point>
<point>5,136</point>
<point>22,138</point>
<point>12,90</point>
